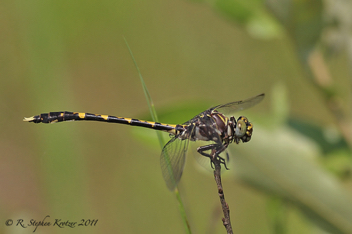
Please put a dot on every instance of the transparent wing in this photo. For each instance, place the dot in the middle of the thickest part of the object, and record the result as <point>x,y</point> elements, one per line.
<point>239,105</point>
<point>231,107</point>
<point>172,161</point>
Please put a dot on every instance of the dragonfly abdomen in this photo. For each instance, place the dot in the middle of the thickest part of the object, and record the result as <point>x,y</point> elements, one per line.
<point>54,117</point>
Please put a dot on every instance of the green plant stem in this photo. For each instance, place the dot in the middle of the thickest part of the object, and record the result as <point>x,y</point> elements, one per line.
<point>161,141</point>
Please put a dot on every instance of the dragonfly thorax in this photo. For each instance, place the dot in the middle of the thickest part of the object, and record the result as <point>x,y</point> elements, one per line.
<point>232,130</point>
<point>215,126</point>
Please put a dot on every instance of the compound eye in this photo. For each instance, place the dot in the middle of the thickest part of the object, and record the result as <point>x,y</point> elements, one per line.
<point>241,128</point>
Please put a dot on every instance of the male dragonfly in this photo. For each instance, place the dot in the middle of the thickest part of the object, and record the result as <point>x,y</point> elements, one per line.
<point>210,125</point>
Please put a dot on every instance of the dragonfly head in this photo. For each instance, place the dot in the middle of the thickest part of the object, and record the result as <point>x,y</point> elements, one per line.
<point>243,129</point>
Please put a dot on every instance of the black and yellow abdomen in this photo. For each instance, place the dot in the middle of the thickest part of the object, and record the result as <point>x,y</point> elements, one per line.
<point>55,117</point>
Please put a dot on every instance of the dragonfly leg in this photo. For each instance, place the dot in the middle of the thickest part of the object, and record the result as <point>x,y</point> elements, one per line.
<point>214,155</point>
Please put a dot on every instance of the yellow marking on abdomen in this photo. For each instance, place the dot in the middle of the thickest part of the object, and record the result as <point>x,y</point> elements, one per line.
<point>127,119</point>
<point>81,115</point>
<point>151,123</point>
<point>29,119</point>
<point>173,131</point>
<point>105,117</point>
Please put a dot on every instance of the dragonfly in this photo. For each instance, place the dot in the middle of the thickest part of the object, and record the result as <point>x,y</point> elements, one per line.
<point>211,125</point>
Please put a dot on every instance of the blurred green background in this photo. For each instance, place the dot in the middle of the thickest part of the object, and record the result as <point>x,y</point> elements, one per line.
<point>293,177</point>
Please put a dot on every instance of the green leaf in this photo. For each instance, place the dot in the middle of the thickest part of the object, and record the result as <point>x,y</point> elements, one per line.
<point>252,15</point>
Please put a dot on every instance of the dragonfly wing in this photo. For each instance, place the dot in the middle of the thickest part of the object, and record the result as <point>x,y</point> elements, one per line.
<point>239,105</point>
<point>172,161</point>
<point>230,107</point>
